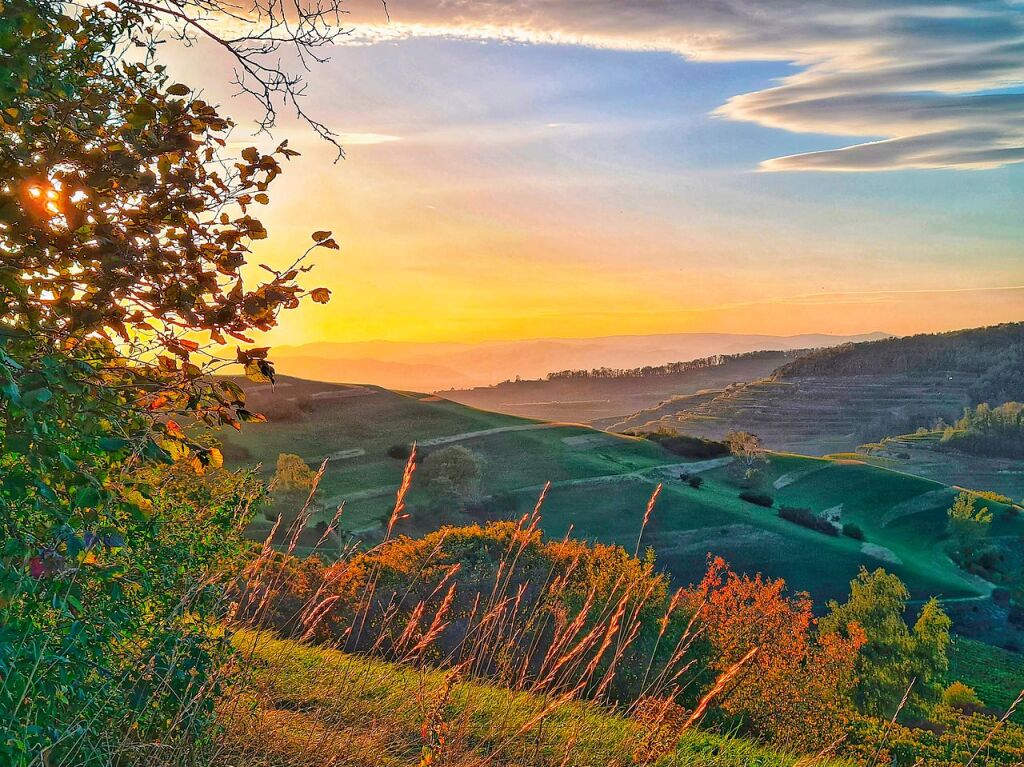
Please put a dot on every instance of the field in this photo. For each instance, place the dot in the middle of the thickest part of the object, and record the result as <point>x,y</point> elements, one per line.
<point>995,674</point>
<point>601,483</point>
<point>317,706</point>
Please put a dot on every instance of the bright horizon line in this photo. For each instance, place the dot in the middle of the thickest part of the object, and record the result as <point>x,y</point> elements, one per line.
<point>609,336</point>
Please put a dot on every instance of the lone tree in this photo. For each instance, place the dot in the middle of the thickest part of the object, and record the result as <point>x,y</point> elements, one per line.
<point>292,474</point>
<point>124,229</point>
<point>451,476</point>
<point>749,453</point>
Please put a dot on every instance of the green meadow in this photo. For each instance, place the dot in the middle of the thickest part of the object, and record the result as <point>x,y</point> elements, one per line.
<point>601,483</point>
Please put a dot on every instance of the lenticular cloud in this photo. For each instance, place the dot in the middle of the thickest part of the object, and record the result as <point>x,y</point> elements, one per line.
<point>913,83</point>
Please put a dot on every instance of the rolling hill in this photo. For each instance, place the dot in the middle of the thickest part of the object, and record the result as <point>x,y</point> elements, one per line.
<point>833,400</point>
<point>601,483</point>
<point>602,398</point>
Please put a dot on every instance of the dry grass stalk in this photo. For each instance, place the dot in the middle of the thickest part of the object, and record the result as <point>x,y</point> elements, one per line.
<point>720,684</point>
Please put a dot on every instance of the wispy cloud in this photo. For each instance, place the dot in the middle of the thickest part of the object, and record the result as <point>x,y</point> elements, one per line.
<point>923,83</point>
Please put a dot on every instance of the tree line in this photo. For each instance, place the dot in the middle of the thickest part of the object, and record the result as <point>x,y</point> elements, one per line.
<point>671,368</point>
<point>992,356</point>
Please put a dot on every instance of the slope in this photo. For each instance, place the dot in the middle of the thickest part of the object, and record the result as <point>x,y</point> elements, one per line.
<point>600,486</point>
<point>833,400</point>
<point>603,397</point>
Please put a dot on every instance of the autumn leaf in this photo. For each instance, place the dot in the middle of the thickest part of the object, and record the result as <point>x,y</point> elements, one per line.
<point>329,244</point>
<point>320,295</point>
<point>216,458</point>
<point>178,89</point>
<point>320,235</point>
<point>259,371</point>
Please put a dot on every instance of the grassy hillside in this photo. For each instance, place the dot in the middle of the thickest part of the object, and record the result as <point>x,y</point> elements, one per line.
<point>601,483</point>
<point>924,455</point>
<point>602,400</point>
<point>316,706</point>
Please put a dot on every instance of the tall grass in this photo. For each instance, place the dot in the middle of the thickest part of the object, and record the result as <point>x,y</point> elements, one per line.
<point>530,669</point>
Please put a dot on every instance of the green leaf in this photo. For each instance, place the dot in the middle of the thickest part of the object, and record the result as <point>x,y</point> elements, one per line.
<point>87,497</point>
<point>37,397</point>
<point>112,444</point>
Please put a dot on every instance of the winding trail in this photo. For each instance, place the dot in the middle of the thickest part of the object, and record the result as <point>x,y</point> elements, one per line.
<point>434,441</point>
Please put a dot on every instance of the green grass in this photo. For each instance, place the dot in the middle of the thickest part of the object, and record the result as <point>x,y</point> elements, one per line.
<point>303,705</point>
<point>997,675</point>
<point>601,483</point>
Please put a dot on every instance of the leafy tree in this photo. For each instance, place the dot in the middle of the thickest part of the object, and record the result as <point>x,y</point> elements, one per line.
<point>797,688</point>
<point>292,474</point>
<point>965,520</point>
<point>749,453</point>
<point>894,656</point>
<point>451,475</point>
<point>931,646</point>
<point>124,232</point>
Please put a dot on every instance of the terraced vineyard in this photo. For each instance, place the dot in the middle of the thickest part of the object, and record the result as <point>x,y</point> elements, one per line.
<point>601,483</point>
<point>817,415</point>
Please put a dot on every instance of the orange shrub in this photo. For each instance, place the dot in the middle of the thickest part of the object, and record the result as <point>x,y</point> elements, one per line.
<point>797,689</point>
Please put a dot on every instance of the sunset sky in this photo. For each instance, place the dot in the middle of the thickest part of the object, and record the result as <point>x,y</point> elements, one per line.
<point>570,168</point>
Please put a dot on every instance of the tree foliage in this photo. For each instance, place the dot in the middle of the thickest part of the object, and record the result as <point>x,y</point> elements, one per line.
<point>965,519</point>
<point>292,474</point>
<point>123,232</point>
<point>451,475</point>
<point>797,689</point>
<point>894,656</point>
<point>990,431</point>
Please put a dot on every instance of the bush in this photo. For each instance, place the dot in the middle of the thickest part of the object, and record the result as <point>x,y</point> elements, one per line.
<point>850,530</point>
<point>760,499</point>
<point>963,698</point>
<point>688,447</point>
<point>399,452</point>
<point>807,518</point>
<point>695,482</point>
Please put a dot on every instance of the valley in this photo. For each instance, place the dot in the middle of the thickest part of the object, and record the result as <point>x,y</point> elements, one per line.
<point>601,483</point>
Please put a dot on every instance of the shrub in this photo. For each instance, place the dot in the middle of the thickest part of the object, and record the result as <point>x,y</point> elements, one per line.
<point>687,446</point>
<point>399,452</point>
<point>961,697</point>
<point>755,497</point>
<point>807,518</point>
<point>850,530</point>
<point>427,594</point>
<point>695,482</point>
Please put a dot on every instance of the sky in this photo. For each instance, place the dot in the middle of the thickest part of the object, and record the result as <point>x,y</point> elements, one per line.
<point>575,168</point>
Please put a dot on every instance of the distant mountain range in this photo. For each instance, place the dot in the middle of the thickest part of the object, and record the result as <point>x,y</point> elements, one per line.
<point>442,366</point>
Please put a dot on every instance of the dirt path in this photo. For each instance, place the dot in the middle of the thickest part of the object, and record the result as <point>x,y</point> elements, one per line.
<point>667,470</point>
<point>435,441</point>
